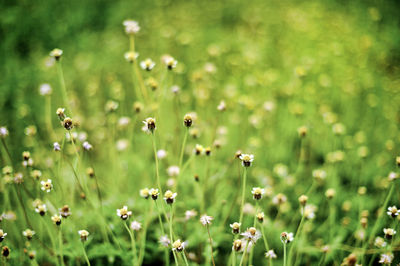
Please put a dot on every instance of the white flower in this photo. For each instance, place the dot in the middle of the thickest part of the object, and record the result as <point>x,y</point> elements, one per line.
<point>175,89</point>
<point>136,226</point>
<point>147,64</point>
<point>380,242</point>
<point>247,159</point>
<point>235,227</point>
<point>41,209</point>
<point>131,56</point>
<point>221,106</point>
<point>270,254</point>
<point>149,125</point>
<point>205,220</point>
<point>131,26</point>
<point>56,146</point>
<point>3,132</point>
<point>164,240</point>
<point>2,235</point>
<point>87,146</point>
<point>83,234</point>
<point>161,154</point>
<point>170,62</point>
<point>386,258</point>
<point>392,176</point>
<point>173,170</point>
<point>178,245</point>
<point>28,233</point>
<point>389,232</point>
<point>269,106</point>
<point>122,144</point>
<point>286,237</point>
<point>319,174</point>
<point>393,211</point>
<point>45,89</point>
<point>46,185</point>
<point>190,214</point>
<point>309,211</point>
<point>169,197</point>
<point>124,213</point>
<point>257,192</point>
<point>251,234</point>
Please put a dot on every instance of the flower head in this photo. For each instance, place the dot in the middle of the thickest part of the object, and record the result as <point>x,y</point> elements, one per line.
<point>131,56</point>
<point>46,185</point>
<point>393,211</point>
<point>389,232</point>
<point>136,226</point>
<point>65,211</point>
<point>178,245</point>
<point>2,235</point>
<point>28,233</point>
<point>260,217</point>
<point>247,159</point>
<point>380,242</point>
<point>154,193</point>
<point>206,220</point>
<point>251,234</point>
<point>124,213</point>
<point>87,146</point>
<point>83,234</point>
<point>45,89</point>
<point>56,53</point>
<point>386,258</point>
<point>56,219</point>
<point>257,193</point>
<point>164,240</point>
<point>237,245</point>
<point>145,193</point>
<point>170,62</point>
<point>3,132</point>
<point>147,64</point>
<point>149,125</point>
<point>161,154</point>
<point>235,227</point>
<point>187,120</point>
<point>286,237</point>
<point>270,254</point>
<point>173,170</point>
<point>41,209</point>
<point>190,214</point>
<point>169,197</point>
<point>131,27</point>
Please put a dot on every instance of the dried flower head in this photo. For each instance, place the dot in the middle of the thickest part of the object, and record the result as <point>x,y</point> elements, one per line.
<point>46,185</point>
<point>83,234</point>
<point>247,159</point>
<point>56,219</point>
<point>56,53</point>
<point>150,125</point>
<point>257,193</point>
<point>235,227</point>
<point>131,27</point>
<point>169,197</point>
<point>124,213</point>
<point>65,211</point>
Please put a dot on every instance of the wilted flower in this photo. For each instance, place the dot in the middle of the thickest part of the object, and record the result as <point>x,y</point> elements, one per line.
<point>206,220</point>
<point>235,227</point>
<point>46,185</point>
<point>124,213</point>
<point>65,211</point>
<point>83,234</point>
<point>247,159</point>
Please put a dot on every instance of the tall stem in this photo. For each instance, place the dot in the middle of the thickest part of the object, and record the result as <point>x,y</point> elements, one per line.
<point>284,254</point>
<point>171,233</point>
<point>85,255</point>
<point>211,245</point>
<point>62,84</point>
<point>243,194</point>
<point>60,244</point>
<point>244,253</point>
<point>133,244</point>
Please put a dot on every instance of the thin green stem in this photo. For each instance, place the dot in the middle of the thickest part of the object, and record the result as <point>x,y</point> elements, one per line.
<point>133,244</point>
<point>60,242</point>
<point>85,255</point>
<point>243,194</point>
<point>62,84</point>
<point>211,245</point>
<point>184,258</point>
<point>171,233</point>
<point>244,254</point>
<point>297,235</point>
<point>284,254</point>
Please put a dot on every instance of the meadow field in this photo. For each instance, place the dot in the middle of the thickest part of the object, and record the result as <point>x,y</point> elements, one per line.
<point>199,132</point>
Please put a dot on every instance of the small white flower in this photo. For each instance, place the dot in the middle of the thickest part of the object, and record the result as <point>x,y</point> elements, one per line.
<point>2,235</point>
<point>170,62</point>
<point>131,56</point>
<point>46,185</point>
<point>169,197</point>
<point>164,240</point>
<point>56,146</point>
<point>251,234</point>
<point>206,220</point>
<point>124,213</point>
<point>83,234</point>
<point>161,154</point>
<point>131,26</point>
<point>286,237</point>
<point>319,174</point>
<point>136,226</point>
<point>269,106</point>
<point>45,89</point>
<point>380,242</point>
<point>190,214</point>
<point>147,64</point>
<point>309,211</point>
<point>386,258</point>
<point>3,132</point>
<point>392,176</point>
<point>28,233</point>
<point>270,254</point>
<point>175,89</point>
<point>149,125</point>
<point>173,170</point>
<point>393,211</point>
<point>235,227</point>
<point>178,245</point>
<point>87,146</point>
<point>389,232</point>
<point>247,159</point>
<point>257,192</point>
<point>221,106</point>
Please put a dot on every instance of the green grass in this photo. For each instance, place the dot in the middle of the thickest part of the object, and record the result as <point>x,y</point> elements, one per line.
<point>325,65</point>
